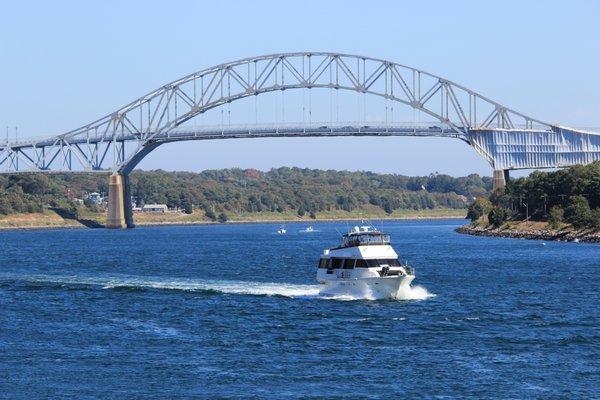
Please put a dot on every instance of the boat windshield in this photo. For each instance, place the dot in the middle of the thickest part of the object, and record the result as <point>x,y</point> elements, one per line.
<point>365,239</point>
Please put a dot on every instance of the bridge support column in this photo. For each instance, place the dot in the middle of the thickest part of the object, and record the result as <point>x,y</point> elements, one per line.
<point>500,178</point>
<point>116,203</point>
<point>127,206</point>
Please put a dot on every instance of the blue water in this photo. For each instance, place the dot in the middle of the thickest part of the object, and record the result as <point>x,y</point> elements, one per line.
<point>233,311</point>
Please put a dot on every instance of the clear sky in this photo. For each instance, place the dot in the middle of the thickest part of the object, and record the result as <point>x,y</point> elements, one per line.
<point>63,64</point>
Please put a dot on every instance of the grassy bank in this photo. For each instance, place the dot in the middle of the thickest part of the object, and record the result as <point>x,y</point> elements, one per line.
<point>52,219</point>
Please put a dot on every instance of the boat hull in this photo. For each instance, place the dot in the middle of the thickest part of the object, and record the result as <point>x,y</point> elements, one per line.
<point>397,287</point>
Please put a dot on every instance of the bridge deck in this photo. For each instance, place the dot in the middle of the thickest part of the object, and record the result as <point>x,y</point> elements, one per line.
<point>242,131</point>
<point>503,148</point>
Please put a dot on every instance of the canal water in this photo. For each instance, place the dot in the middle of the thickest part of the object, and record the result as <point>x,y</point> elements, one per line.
<point>232,311</point>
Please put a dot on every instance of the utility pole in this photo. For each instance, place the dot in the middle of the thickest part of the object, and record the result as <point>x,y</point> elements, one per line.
<point>545,211</point>
<point>526,205</point>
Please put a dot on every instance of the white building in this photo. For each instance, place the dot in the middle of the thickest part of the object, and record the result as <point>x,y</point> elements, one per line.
<point>95,198</point>
<point>155,208</point>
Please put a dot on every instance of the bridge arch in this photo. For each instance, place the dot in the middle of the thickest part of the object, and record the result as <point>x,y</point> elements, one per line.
<point>158,112</point>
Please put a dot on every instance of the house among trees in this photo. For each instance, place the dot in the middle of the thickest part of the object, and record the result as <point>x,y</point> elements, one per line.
<point>155,208</point>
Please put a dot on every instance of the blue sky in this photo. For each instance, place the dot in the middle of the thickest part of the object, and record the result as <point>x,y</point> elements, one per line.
<point>63,64</point>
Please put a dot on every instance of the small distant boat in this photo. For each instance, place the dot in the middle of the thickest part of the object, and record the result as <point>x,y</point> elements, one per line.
<point>576,240</point>
<point>281,230</point>
<point>308,229</point>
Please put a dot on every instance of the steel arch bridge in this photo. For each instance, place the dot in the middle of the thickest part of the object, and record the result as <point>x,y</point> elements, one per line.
<point>506,138</point>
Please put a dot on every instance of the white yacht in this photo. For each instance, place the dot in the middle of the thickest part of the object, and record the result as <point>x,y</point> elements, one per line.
<point>364,263</point>
<point>281,230</point>
<point>308,229</point>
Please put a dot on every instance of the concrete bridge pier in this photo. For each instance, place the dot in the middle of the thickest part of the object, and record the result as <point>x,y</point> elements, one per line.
<point>501,176</point>
<point>120,214</point>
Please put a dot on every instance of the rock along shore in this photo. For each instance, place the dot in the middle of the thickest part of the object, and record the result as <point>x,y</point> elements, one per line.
<point>533,234</point>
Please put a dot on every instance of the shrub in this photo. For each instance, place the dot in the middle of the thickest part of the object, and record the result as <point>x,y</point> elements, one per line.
<point>210,215</point>
<point>301,211</point>
<point>478,208</point>
<point>387,207</point>
<point>222,218</point>
<point>578,212</point>
<point>497,216</point>
<point>556,217</point>
<point>594,222</point>
<point>5,207</point>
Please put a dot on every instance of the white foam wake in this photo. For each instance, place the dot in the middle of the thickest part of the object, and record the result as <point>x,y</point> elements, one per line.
<point>415,292</point>
<point>225,287</point>
<point>349,293</point>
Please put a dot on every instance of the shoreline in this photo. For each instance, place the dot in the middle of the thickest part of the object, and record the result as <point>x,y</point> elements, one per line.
<point>231,222</point>
<point>560,235</point>
<point>294,221</point>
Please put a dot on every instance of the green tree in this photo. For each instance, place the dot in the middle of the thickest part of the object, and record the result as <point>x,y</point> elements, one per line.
<point>556,217</point>
<point>301,211</point>
<point>578,212</point>
<point>222,218</point>
<point>387,207</point>
<point>497,216</point>
<point>5,207</point>
<point>480,207</point>
<point>210,215</point>
<point>594,222</point>
<point>188,208</point>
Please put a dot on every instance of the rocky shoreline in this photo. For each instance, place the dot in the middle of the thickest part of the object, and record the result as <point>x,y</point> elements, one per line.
<point>532,234</point>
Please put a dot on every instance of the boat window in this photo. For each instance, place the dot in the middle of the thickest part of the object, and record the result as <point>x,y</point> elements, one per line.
<point>349,263</point>
<point>323,262</point>
<point>336,263</point>
<point>391,262</point>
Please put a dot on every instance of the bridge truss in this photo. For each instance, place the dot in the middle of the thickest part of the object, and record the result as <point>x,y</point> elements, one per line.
<point>507,139</point>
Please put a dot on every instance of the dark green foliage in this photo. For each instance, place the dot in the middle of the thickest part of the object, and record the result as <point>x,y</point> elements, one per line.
<point>210,215</point>
<point>594,222</point>
<point>578,212</point>
<point>556,217</point>
<point>312,215</point>
<point>571,195</point>
<point>480,207</point>
<point>222,218</point>
<point>237,191</point>
<point>5,207</point>
<point>497,216</point>
<point>188,208</point>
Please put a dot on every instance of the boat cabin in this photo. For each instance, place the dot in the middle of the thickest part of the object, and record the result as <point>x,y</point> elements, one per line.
<point>364,236</point>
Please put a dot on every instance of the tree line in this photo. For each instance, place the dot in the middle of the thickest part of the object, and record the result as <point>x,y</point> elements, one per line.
<point>567,196</point>
<point>304,191</point>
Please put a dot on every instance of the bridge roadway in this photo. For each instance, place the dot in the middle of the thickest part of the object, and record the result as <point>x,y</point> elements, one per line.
<point>252,131</point>
<point>90,152</point>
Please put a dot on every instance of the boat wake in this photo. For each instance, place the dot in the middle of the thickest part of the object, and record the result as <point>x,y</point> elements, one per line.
<point>364,293</point>
<point>130,283</point>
